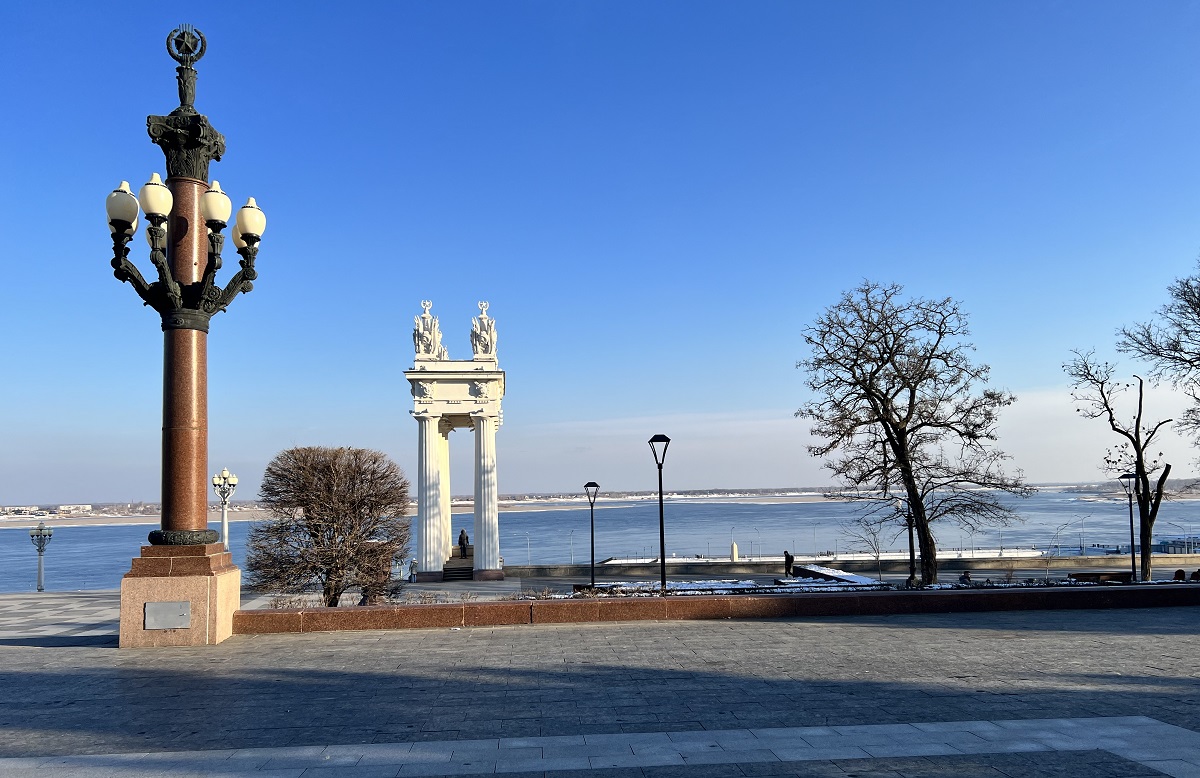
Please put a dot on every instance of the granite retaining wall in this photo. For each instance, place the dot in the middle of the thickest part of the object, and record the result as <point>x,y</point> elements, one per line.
<point>687,607</point>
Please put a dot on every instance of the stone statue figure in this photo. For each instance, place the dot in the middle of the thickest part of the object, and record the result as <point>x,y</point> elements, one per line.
<point>427,335</point>
<point>483,333</point>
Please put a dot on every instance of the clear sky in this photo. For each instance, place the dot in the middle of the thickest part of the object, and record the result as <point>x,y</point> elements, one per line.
<point>654,197</point>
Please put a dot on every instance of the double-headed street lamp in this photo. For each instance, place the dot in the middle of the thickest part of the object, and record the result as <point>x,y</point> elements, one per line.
<point>591,488</point>
<point>225,483</point>
<point>659,457</point>
<point>1127,483</point>
<point>186,216</point>
<point>40,535</point>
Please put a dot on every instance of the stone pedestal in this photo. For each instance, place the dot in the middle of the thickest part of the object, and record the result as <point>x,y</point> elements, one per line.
<point>179,596</point>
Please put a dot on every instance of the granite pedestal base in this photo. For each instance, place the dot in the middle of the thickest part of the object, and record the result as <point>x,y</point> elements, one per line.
<point>434,576</point>
<point>197,586</point>
<point>488,575</point>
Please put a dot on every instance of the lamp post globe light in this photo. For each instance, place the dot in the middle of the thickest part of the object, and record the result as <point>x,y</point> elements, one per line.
<point>591,489</point>
<point>1128,481</point>
<point>40,535</point>
<point>225,484</point>
<point>185,218</point>
<point>659,458</point>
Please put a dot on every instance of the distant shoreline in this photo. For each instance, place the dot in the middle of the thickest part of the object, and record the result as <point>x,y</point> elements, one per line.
<point>505,506</point>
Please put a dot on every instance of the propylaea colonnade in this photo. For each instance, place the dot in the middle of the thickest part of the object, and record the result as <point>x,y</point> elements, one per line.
<point>448,395</point>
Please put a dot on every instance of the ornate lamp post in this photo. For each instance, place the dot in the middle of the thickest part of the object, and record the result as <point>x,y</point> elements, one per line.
<point>40,535</point>
<point>185,295</point>
<point>659,458</point>
<point>591,489</point>
<point>225,483</point>
<point>186,216</point>
<point>1127,483</point>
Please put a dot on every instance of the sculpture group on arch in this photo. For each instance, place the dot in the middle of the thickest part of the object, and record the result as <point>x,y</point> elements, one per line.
<point>450,394</point>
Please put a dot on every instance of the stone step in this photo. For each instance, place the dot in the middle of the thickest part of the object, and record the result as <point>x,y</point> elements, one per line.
<point>465,573</point>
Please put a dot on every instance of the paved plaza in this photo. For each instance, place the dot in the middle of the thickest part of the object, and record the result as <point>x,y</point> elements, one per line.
<point>1099,694</point>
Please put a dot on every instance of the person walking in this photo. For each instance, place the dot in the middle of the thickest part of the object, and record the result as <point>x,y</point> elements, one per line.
<point>788,559</point>
<point>463,542</point>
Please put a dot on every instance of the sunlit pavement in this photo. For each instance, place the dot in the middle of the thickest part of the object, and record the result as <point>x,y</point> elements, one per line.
<point>1051,693</point>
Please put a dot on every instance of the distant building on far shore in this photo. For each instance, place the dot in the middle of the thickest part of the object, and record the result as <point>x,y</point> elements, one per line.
<point>74,509</point>
<point>19,510</point>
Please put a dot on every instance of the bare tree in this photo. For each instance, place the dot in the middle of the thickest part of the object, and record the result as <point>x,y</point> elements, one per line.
<point>867,531</point>
<point>895,397</point>
<point>1171,345</point>
<point>1098,394</point>
<point>337,521</point>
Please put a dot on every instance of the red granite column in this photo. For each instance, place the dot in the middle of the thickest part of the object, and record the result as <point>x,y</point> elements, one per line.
<point>185,431</point>
<point>185,379</point>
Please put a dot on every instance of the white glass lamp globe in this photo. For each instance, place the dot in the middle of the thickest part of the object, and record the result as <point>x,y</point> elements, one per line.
<point>156,198</point>
<point>215,204</point>
<point>123,206</point>
<point>250,220</point>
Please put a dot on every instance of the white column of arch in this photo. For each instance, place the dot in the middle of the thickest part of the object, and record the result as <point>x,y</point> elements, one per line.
<point>430,543</point>
<point>444,429</point>
<point>487,517</point>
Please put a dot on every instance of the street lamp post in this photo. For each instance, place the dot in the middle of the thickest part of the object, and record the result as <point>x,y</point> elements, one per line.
<point>591,489</point>
<point>186,216</point>
<point>40,535</point>
<point>186,258</point>
<point>1127,483</point>
<point>225,483</point>
<point>659,458</point>
<point>1187,536</point>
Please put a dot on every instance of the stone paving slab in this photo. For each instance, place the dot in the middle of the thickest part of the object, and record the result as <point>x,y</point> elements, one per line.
<point>1019,689</point>
<point>879,749</point>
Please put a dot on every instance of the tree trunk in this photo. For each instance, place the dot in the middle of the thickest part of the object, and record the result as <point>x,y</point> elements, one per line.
<point>926,545</point>
<point>331,593</point>
<point>1146,539</point>
<point>1148,504</point>
<point>928,551</point>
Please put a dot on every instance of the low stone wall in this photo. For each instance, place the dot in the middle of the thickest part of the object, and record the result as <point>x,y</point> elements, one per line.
<point>488,614</point>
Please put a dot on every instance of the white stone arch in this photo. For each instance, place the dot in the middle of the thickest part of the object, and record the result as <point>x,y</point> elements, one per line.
<point>447,395</point>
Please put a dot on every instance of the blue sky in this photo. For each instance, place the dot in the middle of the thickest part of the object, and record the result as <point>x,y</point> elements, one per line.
<point>654,197</point>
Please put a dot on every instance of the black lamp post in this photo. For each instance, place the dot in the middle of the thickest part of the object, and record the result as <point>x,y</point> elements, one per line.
<point>225,483</point>
<point>659,457</point>
<point>40,535</point>
<point>186,216</point>
<point>1127,483</point>
<point>591,488</point>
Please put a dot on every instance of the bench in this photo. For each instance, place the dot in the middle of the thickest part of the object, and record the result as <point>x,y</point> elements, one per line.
<point>1126,577</point>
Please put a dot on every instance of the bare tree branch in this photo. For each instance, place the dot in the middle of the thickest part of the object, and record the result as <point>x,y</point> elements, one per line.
<point>1097,394</point>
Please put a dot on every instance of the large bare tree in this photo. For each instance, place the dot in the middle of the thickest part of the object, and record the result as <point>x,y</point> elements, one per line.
<point>896,402</point>
<point>1098,395</point>
<point>337,521</point>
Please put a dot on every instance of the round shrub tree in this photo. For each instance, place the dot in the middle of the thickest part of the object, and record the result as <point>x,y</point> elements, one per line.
<point>337,521</point>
